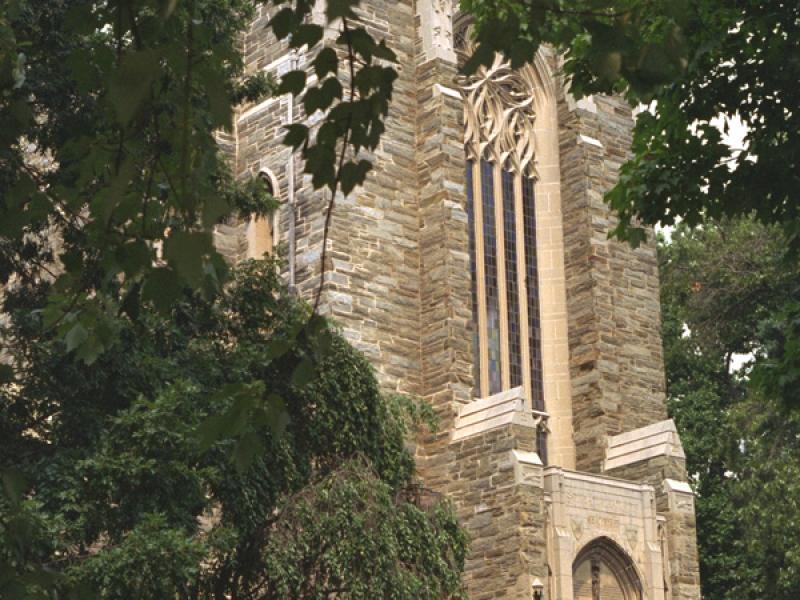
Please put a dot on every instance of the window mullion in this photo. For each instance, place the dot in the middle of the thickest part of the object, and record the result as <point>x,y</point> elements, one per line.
<point>480,270</point>
<point>523,291</point>
<point>499,225</point>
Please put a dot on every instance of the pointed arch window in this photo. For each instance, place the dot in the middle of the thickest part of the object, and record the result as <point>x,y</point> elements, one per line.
<point>262,231</point>
<point>499,143</point>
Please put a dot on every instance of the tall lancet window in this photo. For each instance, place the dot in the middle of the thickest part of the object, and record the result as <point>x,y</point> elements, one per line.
<point>501,170</point>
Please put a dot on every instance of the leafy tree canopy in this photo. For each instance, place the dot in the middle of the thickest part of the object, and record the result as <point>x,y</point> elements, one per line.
<point>108,158</point>
<point>119,101</point>
<point>692,63</point>
<point>132,374</point>
<point>135,494</point>
<point>728,292</point>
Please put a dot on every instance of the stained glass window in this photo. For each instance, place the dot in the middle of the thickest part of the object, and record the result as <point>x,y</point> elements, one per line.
<point>476,371</point>
<point>505,281</point>
<point>512,285</point>
<point>499,141</point>
<point>490,273</point>
<point>532,281</point>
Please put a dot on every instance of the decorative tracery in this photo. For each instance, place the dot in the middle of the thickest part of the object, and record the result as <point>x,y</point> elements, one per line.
<point>499,112</point>
<point>499,118</point>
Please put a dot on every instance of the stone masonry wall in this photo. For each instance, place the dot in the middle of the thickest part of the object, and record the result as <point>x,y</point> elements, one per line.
<point>373,277</point>
<point>397,282</point>
<point>504,518</point>
<point>371,285</point>
<point>616,360</point>
<point>677,507</point>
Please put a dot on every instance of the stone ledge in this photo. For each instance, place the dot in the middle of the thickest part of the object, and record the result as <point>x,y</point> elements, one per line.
<point>658,439</point>
<point>681,487</point>
<point>498,410</point>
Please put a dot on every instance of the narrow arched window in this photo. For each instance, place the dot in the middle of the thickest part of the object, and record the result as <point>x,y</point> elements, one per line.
<point>499,142</point>
<point>262,232</point>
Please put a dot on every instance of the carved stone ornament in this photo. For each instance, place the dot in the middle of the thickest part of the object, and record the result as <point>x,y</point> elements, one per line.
<point>577,529</point>
<point>436,26</point>
<point>499,113</point>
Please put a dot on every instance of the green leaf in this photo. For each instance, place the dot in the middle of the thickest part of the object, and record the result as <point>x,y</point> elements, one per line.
<point>131,82</point>
<point>6,374</point>
<point>276,348</point>
<point>283,22</point>
<point>353,174</point>
<point>306,34</point>
<point>80,19</point>
<point>337,9</point>
<point>277,415</point>
<point>162,287</point>
<point>296,135</point>
<point>14,485</point>
<point>522,52</point>
<point>292,82</point>
<point>326,62</point>
<point>134,257</point>
<point>482,56</point>
<point>186,252</point>
<point>383,52</point>
<point>247,448</point>
<point>216,88</point>
<point>75,337</point>
<point>241,399</point>
<point>303,373</point>
<point>320,98</point>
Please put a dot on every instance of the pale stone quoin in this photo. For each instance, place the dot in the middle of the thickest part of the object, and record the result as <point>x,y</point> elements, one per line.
<point>474,270</point>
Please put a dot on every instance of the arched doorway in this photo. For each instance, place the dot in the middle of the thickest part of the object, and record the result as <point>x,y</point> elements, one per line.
<point>603,571</point>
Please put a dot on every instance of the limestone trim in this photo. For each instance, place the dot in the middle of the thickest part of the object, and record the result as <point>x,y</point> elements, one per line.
<point>658,439</point>
<point>603,550</point>
<point>436,29</point>
<point>261,233</point>
<point>585,510</point>
<point>528,468</point>
<point>505,408</point>
<point>438,89</point>
<point>680,497</point>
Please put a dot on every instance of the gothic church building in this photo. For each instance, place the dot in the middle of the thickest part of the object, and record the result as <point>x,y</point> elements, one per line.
<point>474,270</point>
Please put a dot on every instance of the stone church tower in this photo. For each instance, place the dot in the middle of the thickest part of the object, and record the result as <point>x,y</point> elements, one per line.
<point>474,270</point>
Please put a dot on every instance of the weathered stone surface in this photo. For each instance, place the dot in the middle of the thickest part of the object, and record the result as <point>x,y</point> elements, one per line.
<point>666,472</point>
<point>612,290</point>
<point>397,282</point>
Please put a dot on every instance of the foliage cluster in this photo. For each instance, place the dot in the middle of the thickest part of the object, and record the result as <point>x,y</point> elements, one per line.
<point>728,299</point>
<point>107,147</point>
<point>695,65</point>
<point>135,374</point>
<point>135,494</point>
